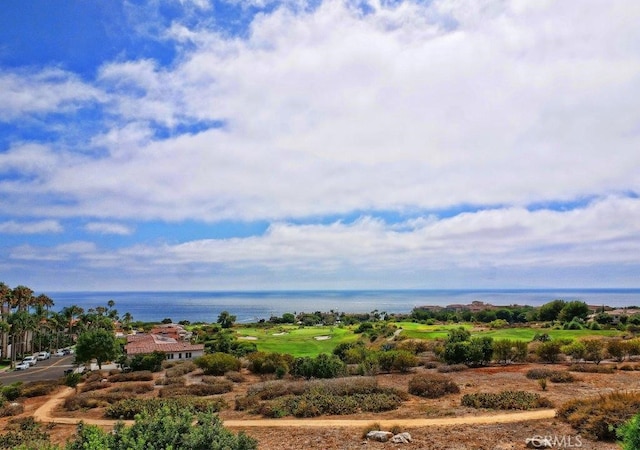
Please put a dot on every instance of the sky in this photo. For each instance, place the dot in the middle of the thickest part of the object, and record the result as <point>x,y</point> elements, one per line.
<point>319,144</point>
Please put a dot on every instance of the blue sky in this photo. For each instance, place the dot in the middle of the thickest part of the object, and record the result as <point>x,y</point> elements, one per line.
<point>258,144</point>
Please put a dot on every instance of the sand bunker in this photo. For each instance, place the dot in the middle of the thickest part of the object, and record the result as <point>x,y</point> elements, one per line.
<point>322,338</point>
<point>279,334</point>
<point>248,338</point>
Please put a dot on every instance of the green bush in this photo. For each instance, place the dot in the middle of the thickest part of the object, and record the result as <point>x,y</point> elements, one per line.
<point>505,400</point>
<point>431,385</point>
<point>151,362</point>
<point>629,432</point>
<point>218,363</point>
<point>322,366</point>
<point>265,362</point>
<point>127,409</point>
<point>164,428</point>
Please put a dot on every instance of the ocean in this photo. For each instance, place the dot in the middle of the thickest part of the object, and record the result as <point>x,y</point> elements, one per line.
<point>252,306</point>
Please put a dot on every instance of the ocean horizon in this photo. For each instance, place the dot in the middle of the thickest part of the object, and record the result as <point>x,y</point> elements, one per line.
<point>251,306</point>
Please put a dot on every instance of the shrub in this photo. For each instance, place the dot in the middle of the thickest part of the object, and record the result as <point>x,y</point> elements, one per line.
<point>431,385</point>
<point>591,368</point>
<point>94,386</point>
<point>561,376</point>
<point>127,409</point>
<point>180,369</point>
<point>549,351</point>
<point>89,400</point>
<point>599,417</point>
<point>218,363</point>
<point>133,388</point>
<point>143,375</point>
<point>38,388</point>
<point>505,400</point>
<point>629,432</point>
<point>148,362</point>
<point>12,391</point>
<point>196,390</point>
<point>322,366</point>
<point>11,409</point>
<point>263,362</point>
<point>236,377</point>
<point>537,374</point>
<point>452,368</point>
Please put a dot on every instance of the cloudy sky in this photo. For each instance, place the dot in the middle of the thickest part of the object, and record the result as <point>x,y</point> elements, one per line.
<point>330,144</point>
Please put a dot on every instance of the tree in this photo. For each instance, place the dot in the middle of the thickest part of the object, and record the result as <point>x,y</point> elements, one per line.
<point>594,349</point>
<point>549,351</point>
<point>549,311</point>
<point>630,433</point>
<point>226,320</point>
<point>98,344</point>
<point>572,310</point>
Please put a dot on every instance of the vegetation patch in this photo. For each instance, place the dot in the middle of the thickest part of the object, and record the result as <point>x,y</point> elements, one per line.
<point>143,375</point>
<point>127,409</point>
<point>452,368</point>
<point>599,417</point>
<point>38,388</point>
<point>319,397</point>
<point>94,386</point>
<point>591,368</point>
<point>506,400</point>
<point>132,388</point>
<point>181,369</point>
<point>431,385</point>
<point>197,390</point>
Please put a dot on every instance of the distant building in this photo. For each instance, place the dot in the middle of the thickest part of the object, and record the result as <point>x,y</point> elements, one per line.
<point>174,349</point>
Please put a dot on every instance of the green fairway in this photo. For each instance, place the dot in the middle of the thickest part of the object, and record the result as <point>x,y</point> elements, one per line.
<point>421,331</point>
<point>307,341</point>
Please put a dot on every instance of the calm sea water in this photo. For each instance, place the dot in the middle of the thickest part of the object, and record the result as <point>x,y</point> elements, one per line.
<point>252,306</point>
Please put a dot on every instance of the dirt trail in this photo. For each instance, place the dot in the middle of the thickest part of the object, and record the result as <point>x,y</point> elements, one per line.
<point>43,414</point>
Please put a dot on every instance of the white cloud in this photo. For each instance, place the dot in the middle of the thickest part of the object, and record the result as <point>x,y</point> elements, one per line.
<point>411,106</point>
<point>36,227</point>
<point>108,228</point>
<point>47,91</point>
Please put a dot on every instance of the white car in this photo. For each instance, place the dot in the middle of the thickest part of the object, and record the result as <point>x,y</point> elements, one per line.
<point>59,353</point>
<point>31,360</point>
<point>22,366</point>
<point>43,355</point>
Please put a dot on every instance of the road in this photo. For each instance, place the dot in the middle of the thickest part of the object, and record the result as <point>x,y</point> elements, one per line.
<point>49,369</point>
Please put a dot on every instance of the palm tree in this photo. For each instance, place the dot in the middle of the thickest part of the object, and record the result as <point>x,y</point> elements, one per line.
<point>70,313</point>
<point>20,322</point>
<point>22,298</point>
<point>5,311</point>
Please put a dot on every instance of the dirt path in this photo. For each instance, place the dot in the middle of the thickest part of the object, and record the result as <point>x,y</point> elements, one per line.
<point>43,414</point>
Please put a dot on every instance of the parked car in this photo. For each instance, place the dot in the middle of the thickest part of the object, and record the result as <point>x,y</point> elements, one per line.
<point>43,355</point>
<point>59,353</point>
<point>23,366</point>
<point>31,360</point>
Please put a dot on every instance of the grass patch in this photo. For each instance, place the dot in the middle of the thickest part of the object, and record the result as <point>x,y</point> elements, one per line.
<point>298,341</point>
<point>591,368</point>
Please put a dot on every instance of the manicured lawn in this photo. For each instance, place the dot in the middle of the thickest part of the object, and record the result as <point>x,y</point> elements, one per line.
<point>298,341</point>
<point>421,331</point>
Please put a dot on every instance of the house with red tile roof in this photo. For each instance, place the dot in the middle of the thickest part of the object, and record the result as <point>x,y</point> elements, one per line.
<point>139,344</point>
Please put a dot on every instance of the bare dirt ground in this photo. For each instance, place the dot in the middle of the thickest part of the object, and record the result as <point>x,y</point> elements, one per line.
<point>433,424</point>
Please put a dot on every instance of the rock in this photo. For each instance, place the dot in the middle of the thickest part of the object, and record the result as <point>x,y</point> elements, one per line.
<point>380,436</point>
<point>401,438</point>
